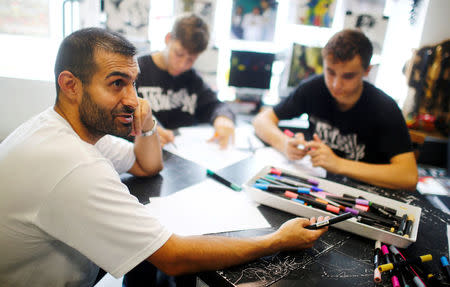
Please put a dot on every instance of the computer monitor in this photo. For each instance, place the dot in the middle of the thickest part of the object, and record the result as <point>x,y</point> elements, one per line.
<point>250,72</point>
<point>305,62</point>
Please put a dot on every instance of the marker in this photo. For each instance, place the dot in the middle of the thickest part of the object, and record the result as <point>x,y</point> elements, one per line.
<point>420,259</point>
<point>417,280</point>
<point>401,228</point>
<point>330,221</point>
<point>312,202</point>
<point>446,266</point>
<point>394,278</point>
<point>295,177</point>
<point>292,182</point>
<point>376,262</point>
<point>288,133</point>
<point>223,180</point>
<point>372,222</point>
<point>408,228</point>
<point>400,274</point>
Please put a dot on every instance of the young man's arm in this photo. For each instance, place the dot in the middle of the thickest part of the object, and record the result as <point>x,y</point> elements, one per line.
<point>400,173</point>
<point>181,255</point>
<point>146,148</point>
<point>266,127</point>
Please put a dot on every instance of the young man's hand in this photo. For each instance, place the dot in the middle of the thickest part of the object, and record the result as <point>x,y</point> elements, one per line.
<point>295,147</point>
<point>322,155</point>
<point>223,131</point>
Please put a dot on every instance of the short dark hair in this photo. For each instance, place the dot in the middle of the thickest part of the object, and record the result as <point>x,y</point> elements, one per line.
<point>192,32</point>
<point>76,52</point>
<point>348,43</point>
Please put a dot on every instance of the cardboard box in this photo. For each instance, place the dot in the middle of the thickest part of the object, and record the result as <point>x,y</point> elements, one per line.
<point>350,225</point>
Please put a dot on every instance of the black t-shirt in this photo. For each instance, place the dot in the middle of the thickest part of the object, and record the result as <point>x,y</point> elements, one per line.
<point>183,100</point>
<point>372,131</point>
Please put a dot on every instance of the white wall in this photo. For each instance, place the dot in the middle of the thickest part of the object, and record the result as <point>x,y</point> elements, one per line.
<point>437,23</point>
<point>22,99</point>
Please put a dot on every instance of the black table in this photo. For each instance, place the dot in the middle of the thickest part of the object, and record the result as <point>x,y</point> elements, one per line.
<point>338,258</point>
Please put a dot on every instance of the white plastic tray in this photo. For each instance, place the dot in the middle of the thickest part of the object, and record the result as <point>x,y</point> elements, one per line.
<point>350,225</point>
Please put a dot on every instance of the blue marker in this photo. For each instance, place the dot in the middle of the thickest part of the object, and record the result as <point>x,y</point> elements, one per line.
<point>446,266</point>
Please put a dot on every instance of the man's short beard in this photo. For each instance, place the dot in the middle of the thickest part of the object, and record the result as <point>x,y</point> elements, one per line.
<point>99,121</point>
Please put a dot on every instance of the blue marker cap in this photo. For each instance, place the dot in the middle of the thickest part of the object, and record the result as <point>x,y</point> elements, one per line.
<point>298,200</point>
<point>444,261</point>
<point>262,181</point>
<point>315,188</point>
<point>260,186</point>
<point>304,190</point>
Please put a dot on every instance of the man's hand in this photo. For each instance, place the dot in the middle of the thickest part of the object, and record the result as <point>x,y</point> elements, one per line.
<point>322,155</point>
<point>224,131</point>
<point>294,236</point>
<point>295,147</point>
<point>165,136</point>
<point>142,118</point>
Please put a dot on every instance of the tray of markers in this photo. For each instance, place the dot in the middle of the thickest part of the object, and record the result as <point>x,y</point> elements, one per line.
<point>375,217</point>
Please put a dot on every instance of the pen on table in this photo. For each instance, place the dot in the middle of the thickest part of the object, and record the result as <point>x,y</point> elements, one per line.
<point>394,278</point>
<point>408,268</point>
<point>330,221</point>
<point>376,262</point>
<point>446,266</point>
<point>223,180</point>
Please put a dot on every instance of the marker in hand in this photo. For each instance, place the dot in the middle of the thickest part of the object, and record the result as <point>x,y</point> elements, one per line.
<point>330,221</point>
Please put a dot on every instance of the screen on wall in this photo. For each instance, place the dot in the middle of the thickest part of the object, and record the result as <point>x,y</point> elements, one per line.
<point>250,69</point>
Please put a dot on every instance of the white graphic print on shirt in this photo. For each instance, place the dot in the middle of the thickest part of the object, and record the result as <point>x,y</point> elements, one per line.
<point>332,137</point>
<point>171,100</point>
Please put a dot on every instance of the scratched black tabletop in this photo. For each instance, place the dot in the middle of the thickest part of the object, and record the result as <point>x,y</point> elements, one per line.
<point>338,258</point>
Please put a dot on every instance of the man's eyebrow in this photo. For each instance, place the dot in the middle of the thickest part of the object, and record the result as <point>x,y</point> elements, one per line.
<point>113,74</point>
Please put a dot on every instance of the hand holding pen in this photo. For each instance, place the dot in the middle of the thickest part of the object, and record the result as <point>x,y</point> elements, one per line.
<point>292,143</point>
<point>322,155</point>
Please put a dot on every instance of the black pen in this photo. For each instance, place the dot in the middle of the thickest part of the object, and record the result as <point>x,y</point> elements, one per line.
<point>330,221</point>
<point>223,180</point>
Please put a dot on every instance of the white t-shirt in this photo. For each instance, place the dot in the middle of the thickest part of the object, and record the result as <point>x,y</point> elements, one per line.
<point>64,210</point>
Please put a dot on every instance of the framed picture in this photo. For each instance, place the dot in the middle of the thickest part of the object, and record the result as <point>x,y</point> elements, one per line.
<point>128,17</point>
<point>253,20</point>
<point>318,13</point>
<point>25,17</point>
<point>372,25</point>
<point>305,62</point>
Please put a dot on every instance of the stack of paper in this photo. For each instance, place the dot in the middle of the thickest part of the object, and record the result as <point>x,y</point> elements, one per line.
<point>207,207</point>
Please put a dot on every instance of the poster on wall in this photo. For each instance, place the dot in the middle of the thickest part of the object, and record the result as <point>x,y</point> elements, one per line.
<point>129,18</point>
<point>372,25</point>
<point>253,20</point>
<point>319,13</point>
<point>305,62</point>
<point>202,8</point>
<point>25,17</point>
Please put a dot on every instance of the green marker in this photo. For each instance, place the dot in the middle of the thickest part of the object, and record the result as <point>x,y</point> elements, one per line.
<point>223,180</point>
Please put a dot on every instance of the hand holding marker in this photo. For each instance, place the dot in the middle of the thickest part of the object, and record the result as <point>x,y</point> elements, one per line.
<point>330,221</point>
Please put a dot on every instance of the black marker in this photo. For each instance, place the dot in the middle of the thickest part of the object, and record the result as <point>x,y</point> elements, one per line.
<point>223,180</point>
<point>330,221</point>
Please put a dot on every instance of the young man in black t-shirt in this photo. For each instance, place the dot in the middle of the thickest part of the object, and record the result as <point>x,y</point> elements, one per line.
<point>177,94</point>
<point>358,130</point>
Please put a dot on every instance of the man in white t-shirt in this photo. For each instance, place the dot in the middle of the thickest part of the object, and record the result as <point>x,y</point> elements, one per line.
<point>63,209</point>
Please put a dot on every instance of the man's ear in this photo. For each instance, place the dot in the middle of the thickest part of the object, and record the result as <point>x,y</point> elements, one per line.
<point>70,86</point>
<point>168,38</point>
<point>366,73</point>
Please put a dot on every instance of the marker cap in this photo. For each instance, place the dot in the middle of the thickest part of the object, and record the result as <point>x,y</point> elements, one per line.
<point>394,281</point>
<point>444,261</point>
<point>377,275</point>
<point>384,249</point>
<point>290,194</point>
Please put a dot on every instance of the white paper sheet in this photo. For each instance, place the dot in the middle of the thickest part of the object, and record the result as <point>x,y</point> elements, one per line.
<point>207,207</point>
<point>192,144</point>
<point>270,156</point>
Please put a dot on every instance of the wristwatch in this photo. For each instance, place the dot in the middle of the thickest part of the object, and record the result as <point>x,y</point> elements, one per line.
<point>153,130</point>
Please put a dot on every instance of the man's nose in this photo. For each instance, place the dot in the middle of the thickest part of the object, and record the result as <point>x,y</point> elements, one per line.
<point>130,98</point>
